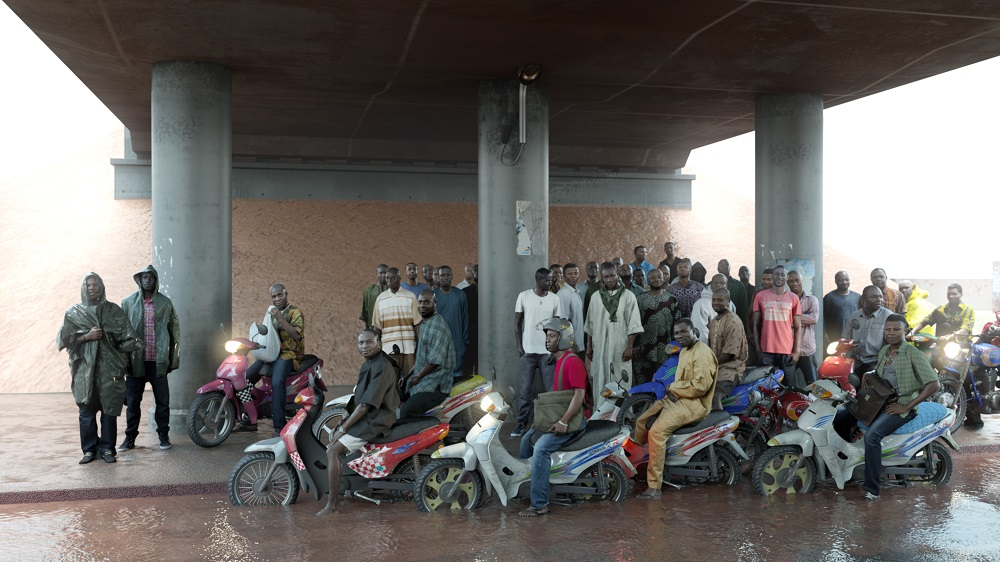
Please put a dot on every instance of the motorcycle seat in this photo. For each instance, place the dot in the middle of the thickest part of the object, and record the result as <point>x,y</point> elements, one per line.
<point>756,373</point>
<point>307,363</point>
<point>714,417</point>
<point>460,379</point>
<point>597,431</point>
<point>927,413</point>
<point>406,427</point>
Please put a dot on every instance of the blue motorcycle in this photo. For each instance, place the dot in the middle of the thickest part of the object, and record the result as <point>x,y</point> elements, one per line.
<point>739,402</point>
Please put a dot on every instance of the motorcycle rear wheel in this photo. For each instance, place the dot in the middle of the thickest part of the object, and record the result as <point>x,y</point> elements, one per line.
<point>952,396</point>
<point>440,477</point>
<point>633,407</point>
<point>210,419</point>
<point>726,466</point>
<point>942,461</point>
<point>773,466</point>
<point>248,486</point>
<point>618,483</point>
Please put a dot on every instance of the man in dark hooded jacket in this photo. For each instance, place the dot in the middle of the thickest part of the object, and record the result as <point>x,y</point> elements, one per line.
<point>98,337</point>
<point>152,316</point>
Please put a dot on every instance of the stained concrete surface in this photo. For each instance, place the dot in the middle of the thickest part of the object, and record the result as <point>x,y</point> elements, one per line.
<point>193,520</point>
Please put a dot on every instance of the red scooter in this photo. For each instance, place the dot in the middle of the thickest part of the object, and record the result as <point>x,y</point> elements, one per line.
<point>220,403</point>
<point>839,366</point>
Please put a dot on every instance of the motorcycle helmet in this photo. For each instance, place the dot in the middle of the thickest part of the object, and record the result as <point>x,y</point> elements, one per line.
<point>566,337</point>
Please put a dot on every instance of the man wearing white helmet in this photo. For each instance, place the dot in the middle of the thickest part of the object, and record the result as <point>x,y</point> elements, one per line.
<point>570,375</point>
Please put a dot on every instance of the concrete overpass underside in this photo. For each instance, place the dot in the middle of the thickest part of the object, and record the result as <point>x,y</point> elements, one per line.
<point>419,101</point>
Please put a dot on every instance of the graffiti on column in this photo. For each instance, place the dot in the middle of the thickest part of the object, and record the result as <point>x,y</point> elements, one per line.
<point>524,226</point>
<point>806,269</point>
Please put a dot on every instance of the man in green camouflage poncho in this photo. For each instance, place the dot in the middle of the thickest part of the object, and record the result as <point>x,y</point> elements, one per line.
<point>97,336</point>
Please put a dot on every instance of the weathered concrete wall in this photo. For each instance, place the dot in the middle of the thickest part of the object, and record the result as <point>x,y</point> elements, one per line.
<point>64,221</point>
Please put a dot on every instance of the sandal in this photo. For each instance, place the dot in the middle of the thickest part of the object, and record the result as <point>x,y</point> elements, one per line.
<point>535,511</point>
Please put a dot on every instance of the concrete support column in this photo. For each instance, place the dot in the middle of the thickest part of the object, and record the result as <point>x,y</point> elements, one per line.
<point>789,185</point>
<point>513,215</point>
<point>192,215</point>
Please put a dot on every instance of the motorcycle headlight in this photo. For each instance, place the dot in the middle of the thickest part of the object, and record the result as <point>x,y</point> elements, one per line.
<point>952,350</point>
<point>487,404</point>
<point>832,348</point>
<point>232,346</point>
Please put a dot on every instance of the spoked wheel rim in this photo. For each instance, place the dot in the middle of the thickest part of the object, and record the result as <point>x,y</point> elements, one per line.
<point>212,420</point>
<point>254,488</point>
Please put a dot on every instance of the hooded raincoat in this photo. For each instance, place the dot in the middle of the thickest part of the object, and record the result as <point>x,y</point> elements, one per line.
<point>167,327</point>
<point>98,367</point>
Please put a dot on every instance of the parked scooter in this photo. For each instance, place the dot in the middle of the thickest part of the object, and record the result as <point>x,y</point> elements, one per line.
<point>614,394</point>
<point>838,365</point>
<point>219,404</point>
<point>797,459</point>
<point>277,468</point>
<point>975,366</point>
<point>739,401</point>
<point>456,411</point>
<point>704,451</point>
<point>590,466</point>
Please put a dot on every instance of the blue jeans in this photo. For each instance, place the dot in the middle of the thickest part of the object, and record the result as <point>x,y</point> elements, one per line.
<point>280,370</point>
<point>526,366</point>
<point>808,368</point>
<point>89,440</point>
<point>883,426</point>
<point>541,461</point>
<point>780,361</point>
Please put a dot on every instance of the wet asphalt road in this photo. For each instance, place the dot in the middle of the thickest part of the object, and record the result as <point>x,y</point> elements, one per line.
<point>960,521</point>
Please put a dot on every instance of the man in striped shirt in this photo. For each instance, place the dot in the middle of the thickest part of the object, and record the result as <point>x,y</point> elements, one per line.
<point>394,319</point>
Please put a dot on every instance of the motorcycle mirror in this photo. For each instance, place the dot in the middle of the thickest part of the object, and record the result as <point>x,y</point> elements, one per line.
<point>855,380</point>
<point>395,349</point>
<point>262,329</point>
<point>611,368</point>
<point>624,375</point>
<point>855,324</point>
<point>493,373</point>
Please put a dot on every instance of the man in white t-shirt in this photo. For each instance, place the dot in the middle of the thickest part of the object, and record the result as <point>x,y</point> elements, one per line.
<point>533,307</point>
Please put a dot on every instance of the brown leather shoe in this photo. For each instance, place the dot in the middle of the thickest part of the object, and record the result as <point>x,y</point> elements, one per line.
<point>650,494</point>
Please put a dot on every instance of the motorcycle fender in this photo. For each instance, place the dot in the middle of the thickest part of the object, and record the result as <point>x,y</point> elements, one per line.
<point>468,455</point>
<point>218,385</point>
<point>274,445</point>
<point>796,437</point>
<point>341,401</point>
<point>731,440</point>
<point>946,436</point>
<point>654,387</point>
<point>622,461</point>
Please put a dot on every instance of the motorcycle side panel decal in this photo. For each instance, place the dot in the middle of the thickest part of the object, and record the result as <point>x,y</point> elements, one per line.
<point>379,460</point>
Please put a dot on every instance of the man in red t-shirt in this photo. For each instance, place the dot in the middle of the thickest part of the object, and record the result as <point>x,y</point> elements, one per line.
<point>570,375</point>
<point>777,328</point>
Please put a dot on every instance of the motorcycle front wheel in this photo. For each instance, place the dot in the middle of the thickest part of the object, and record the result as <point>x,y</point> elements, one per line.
<point>753,449</point>
<point>438,486</point>
<point>633,407</point>
<point>952,396</point>
<point>327,423</point>
<point>772,472</point>
<point>210,419</point>
<point>249,483</point>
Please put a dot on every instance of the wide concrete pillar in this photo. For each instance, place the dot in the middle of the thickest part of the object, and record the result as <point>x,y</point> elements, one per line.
<point>192,216</point>
<point>789,185</point>
<point>513,215</point>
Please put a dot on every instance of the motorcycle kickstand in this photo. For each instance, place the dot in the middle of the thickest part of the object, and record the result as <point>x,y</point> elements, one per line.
<point>564,502</point>
<point>672,485</point>
<point>357,494</point>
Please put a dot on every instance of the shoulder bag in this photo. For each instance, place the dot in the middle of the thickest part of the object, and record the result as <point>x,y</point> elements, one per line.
<point>550,407</point>
<point>873,396</point>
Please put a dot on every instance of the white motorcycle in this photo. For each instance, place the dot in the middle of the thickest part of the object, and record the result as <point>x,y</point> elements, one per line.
<point>797,459</point>
<point>590,466</point>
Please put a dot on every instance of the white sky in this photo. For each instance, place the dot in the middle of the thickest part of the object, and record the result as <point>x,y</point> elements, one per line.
<point>920,158</point>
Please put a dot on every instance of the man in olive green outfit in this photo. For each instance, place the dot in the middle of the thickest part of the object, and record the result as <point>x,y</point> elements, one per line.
<point>98,338</point>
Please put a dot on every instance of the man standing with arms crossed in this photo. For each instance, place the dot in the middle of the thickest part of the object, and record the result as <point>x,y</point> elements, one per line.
<point>153,317</point>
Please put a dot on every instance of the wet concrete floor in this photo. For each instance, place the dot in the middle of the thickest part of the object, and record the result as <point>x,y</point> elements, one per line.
<point>959,521</point>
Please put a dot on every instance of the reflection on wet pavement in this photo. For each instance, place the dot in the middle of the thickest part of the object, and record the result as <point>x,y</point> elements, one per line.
<point>960,521</point>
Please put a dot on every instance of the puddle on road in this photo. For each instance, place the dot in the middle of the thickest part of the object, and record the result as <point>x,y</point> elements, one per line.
<point>960,521</point>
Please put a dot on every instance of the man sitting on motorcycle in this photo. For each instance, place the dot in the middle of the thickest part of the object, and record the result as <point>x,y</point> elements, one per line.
<point>570,375</point>
<point>434,366</point>
<point>375,399</point>
<point>291,327</point>
<point>688,400</point>
<point>909,372</point>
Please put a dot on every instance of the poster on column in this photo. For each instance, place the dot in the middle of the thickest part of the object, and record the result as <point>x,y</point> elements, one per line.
<point>524,226</point>
<point>996,286</point>
<point>806,269</point>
